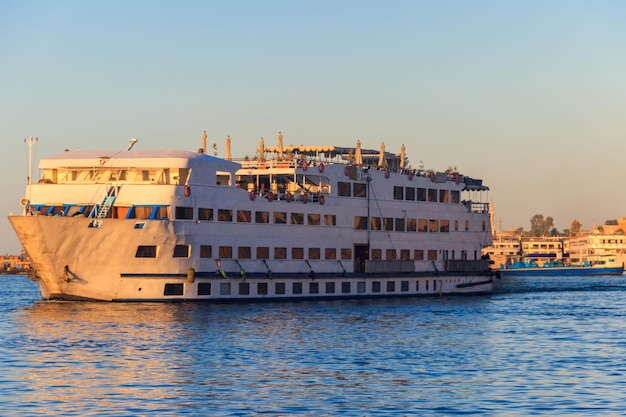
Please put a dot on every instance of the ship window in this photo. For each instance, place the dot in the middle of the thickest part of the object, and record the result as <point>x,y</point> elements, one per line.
<point>262,216</point>
<point>330,253</point>
<point>456,225</point>
<point>444,226</point>
<point>388,223</point>
<point>224,215</point>
<point>279,288</point>
<point>313,219</point>
<point>330,288</point>
<point>398,193</point>
<point>141,225</point>
<point>262,252</point>
<point>417,286</point>
<point>391,286</point>
<point>411,225</point>
<point>226,252</point>
<point>443,196</point>
<point>205,214</point>
<point>280,218</point>
<point>296,288</point>
<point>360,287</point>
<point>345,287</point>
<point>280,253</point>
<point>404,286</point>
<point>184,213</point>
<point>297,218</point>
<point>146,252</point>
<point>409,193</point>
<point>181,251</point>
<point>432,195</point>
<point>244,252</point>
<point>359,190</point>
<point>244,288</point>
<point>160,213</point>
<point>173,289</point>
<point>432,255</point>
<point>377,254</point>
<point>421,194</point>
<point>455,196</point>
<point>261,288</point>
<point>433,226</point>
<point>390,254</point>
<point>466,225</point>
<point>206,251</point>
<point>204,288</point>
<point>144,212</point>
<point>375,223</point>
<point>330,220</point>
<point>314,253</point>
<point>343,189</point>
<point>422,225</point>
<point>484,225</point>
<point>360,223</point>
<point>314,288</point>
<point>297,253</point>
<point>405,254</point>
<point>224,288</point>
<point>418,254</point>
<point>346,254</point>
<point>376,286</point>
<point>244,216</point>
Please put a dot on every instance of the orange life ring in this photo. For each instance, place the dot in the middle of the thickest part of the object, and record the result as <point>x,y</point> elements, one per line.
<point>187,191</point>
<point>270,196</point>
<point>321,167</point>
<point>288,197</point>
<point>410,175</point>
<point>322,199</point>
<point>387,174</point>
<point>346,170</point>
<point>252,195</point>
<point>305,166</point>
<point>305,198</point>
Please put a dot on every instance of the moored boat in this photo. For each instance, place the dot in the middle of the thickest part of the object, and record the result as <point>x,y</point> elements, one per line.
<point>309,222</point>
<point>528,267</point>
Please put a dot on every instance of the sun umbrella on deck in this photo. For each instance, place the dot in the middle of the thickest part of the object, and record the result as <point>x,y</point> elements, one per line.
<point>262,149</point>
<point>357,154</point>
<point>280,145</point>
<point>381,158</point>
<point>402,155</point>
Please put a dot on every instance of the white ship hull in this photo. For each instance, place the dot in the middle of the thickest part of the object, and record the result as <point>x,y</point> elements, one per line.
<point>167,235</point>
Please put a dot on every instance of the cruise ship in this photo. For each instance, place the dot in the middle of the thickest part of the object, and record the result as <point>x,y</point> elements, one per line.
<point>292,223</point>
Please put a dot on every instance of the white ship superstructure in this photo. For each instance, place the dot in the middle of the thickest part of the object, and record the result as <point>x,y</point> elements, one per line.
<point>309,222</point>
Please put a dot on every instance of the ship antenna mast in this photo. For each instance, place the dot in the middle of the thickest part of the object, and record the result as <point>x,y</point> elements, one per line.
<point>30,142</point>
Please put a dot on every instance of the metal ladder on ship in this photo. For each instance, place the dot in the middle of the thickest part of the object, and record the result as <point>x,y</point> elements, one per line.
<point>107,203</point>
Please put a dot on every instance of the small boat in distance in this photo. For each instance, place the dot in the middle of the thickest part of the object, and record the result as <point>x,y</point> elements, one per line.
<point>529,267</point>
<point>294,222</point>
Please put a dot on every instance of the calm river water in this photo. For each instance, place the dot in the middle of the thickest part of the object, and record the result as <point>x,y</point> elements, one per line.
<point>553,346</point>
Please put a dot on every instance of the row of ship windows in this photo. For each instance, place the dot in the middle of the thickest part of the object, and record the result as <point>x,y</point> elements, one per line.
<point>314,219</point>
<point>433,195</point>
<point>263,252</point>
<point>280,288</point>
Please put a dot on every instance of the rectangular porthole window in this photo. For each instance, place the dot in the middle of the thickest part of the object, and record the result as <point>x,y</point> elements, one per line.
<point>376,286</point>
<point>244,288</point>
<point>146,252</point>
<point>261,288</point>
<point>279,289</point>
<point>173,289</point>
<point>345,287</point>
<point>360,287</point>
<point>330,288</point>
<point>139,226</point>
<point>224,288</point>
<point>391,286</point>
<point>184,213</point>
<point>205,214</point>
<point>314,287</point>
<point>296,288</point>
<point>181,251</point>
<point>204,288</point>
<point>404,286</point>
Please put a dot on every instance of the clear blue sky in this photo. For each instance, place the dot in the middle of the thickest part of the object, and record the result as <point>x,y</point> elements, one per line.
<point>530,96</point>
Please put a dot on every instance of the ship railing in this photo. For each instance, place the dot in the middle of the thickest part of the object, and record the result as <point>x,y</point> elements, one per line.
<point>457,265</point>
<point>476,207</point>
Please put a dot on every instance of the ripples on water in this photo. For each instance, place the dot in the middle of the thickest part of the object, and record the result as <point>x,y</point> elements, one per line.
<point>553,346</point>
